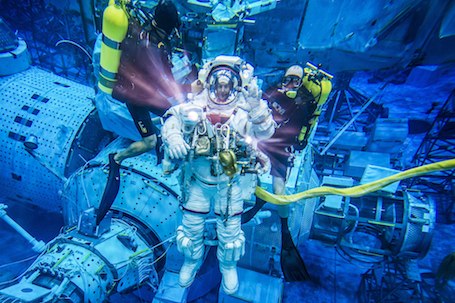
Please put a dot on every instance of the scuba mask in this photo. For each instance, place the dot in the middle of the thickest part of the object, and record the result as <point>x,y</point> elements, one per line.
<point>293,81</point>
<point>291,85</point>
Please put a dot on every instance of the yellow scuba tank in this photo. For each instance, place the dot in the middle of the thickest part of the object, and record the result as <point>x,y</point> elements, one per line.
<point>115,27</point>
<point>319,84</point>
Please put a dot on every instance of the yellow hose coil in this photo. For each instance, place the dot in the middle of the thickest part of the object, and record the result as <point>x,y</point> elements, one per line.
<point>355,191</point>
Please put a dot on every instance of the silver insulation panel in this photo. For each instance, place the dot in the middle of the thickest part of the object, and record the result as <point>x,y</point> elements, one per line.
<point>54,110</point>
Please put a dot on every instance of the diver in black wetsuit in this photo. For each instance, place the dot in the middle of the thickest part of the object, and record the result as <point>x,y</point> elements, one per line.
<point>145,81</point>
<point>146,84</point>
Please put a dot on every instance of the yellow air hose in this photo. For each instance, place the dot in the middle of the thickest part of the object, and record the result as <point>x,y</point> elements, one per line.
<point>355,191</point>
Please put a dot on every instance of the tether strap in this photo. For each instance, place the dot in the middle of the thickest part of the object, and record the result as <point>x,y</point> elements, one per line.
<point>111,43</point>
<point>195,211</point>
<point>107,74</point>
<point>106,82</point>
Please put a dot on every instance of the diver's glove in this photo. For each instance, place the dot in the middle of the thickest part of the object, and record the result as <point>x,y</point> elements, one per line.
<point>177,147</point>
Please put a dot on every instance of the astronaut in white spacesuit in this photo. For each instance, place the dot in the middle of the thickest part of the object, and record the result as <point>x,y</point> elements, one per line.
<point>216,134</point>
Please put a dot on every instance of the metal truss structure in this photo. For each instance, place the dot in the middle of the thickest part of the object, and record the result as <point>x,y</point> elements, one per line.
<point>438,145</point>
<point>54,36</point>
<point>349,106</point>
<point>396,280</point>
<point>346,111</point>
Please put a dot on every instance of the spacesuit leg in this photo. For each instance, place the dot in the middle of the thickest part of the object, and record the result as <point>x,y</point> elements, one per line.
<point>231,241</point>
<point>190,235</point>
<point>190,243</point>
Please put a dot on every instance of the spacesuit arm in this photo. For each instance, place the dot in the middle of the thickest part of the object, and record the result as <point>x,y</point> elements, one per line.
<point>260,123</point>
<point>257,123</point>
<point>262,126</point>
<point>260,120</point>
<point>172,136</point>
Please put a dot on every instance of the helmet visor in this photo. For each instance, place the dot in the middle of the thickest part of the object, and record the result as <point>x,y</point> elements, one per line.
<point>223,86</point>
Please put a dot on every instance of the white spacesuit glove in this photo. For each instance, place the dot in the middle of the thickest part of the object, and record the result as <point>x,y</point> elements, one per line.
<point>177,148</point>
<point>263,166</point>
<point>252,95</point>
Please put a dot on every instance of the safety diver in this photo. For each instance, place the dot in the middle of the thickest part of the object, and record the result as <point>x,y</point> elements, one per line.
<point>296,105</point>
<point>144,81</point>
<point>215,135</point>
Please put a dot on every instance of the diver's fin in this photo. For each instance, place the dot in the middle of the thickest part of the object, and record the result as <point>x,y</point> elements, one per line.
<point>249,214</point>
<point>446,270</point>
<point>292,264</point>
<point>158,150</point>
<point>111,189</point>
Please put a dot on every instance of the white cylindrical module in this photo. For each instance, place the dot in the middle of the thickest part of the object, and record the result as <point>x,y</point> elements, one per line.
<point>48,126</point>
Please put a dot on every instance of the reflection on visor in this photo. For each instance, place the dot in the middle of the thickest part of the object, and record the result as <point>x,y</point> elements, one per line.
<point>293,80</point>
<point>223,84</point>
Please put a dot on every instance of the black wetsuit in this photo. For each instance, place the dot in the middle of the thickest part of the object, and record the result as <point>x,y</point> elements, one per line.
<point>290,118</point>
<point>145,81</point>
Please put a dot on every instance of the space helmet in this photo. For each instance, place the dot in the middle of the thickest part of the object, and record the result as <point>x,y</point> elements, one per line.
<point>166,16</point>
<point>223,83</point>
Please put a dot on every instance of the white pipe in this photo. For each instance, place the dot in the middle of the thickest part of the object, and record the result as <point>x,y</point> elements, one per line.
<point>38,246</point>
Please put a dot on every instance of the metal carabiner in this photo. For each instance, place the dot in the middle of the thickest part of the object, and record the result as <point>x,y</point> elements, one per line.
<point>225,133</point>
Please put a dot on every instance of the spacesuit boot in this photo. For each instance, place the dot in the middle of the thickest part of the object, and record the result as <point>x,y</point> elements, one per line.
<point>231,247</point>
<point>189,238</point>
<point>230,281</point>
<point>188,271</point>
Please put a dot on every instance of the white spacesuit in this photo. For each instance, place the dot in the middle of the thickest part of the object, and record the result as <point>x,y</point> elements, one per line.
<point>215,132</point>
